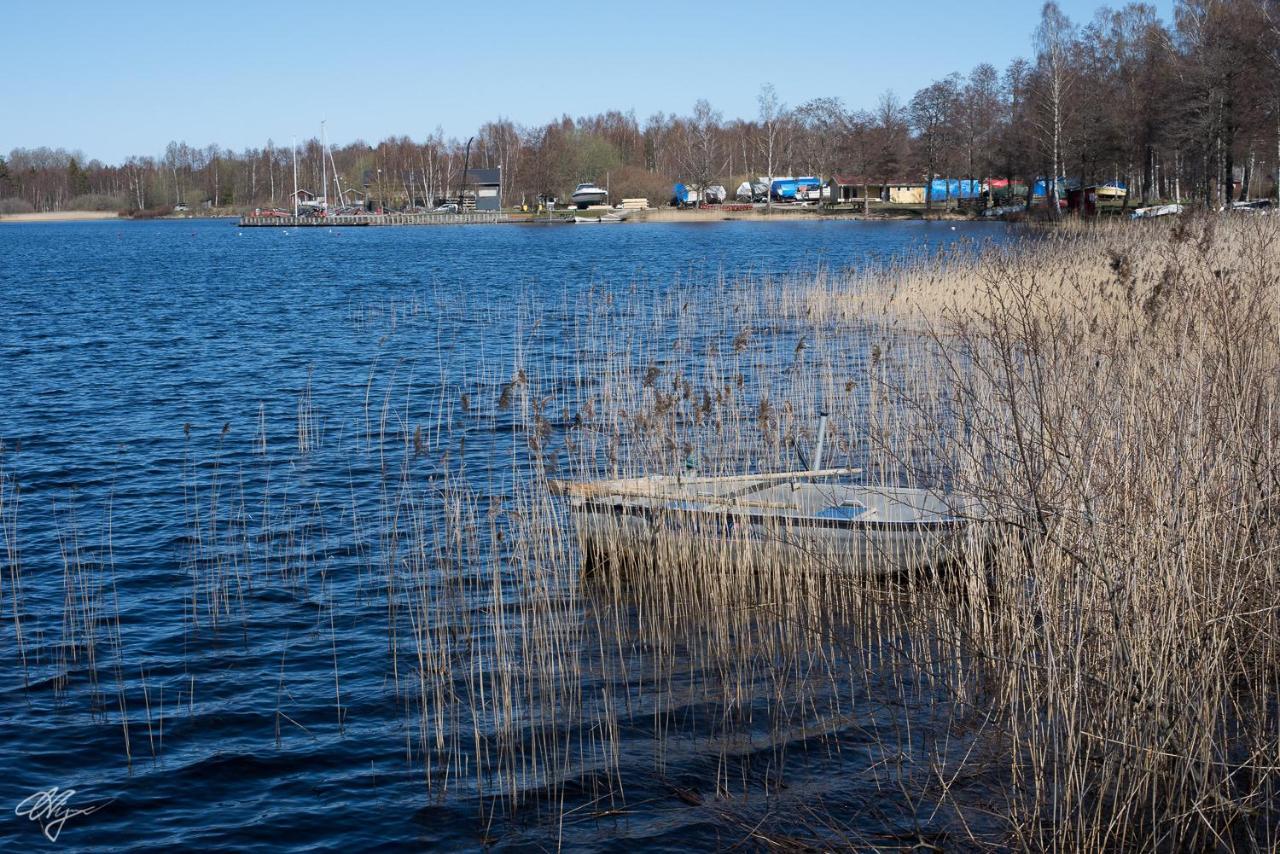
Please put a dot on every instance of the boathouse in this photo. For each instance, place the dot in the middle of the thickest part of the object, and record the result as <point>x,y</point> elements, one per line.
<point>353,198</point>
<point>847,189</point>
<point>486,184</point>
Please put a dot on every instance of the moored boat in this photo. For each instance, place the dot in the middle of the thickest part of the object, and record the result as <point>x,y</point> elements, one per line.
<point>806,514</point>
<point>604,218</point>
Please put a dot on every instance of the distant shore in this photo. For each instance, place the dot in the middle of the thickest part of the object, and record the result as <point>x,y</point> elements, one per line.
<point>785,215</point>
<point>59,216</point>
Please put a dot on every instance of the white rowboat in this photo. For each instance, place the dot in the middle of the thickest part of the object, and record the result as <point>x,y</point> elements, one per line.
<point>874,529</point>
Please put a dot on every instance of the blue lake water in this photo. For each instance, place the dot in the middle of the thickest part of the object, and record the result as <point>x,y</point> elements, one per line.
<point>154,382</point>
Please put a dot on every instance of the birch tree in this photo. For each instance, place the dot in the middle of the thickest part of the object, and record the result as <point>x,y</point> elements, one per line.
<point>1054,38</point>
<point>772,117</point>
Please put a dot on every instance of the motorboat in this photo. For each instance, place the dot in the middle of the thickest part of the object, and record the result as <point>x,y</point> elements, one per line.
<point>589,194</point>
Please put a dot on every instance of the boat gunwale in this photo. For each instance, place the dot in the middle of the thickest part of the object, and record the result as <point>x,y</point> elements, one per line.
<point>618,508</point>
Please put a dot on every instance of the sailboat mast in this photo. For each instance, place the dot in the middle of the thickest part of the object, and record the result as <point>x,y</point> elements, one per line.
<point>295,176</point>
<point>337,181</point>
<point>324,171</point>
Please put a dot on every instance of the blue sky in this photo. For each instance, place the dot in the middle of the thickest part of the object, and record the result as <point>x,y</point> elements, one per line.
<point>120,78</point>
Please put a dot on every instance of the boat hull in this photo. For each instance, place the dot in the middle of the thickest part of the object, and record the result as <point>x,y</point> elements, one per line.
<point>615,533</point>
<point>582,198</point>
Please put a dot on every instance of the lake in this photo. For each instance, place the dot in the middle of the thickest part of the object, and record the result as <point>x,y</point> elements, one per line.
<point>207,435</point>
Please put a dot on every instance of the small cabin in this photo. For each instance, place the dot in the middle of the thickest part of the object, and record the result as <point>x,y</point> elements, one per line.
<point>485,186</point>
<point>1083,200</point>
<point>847,189</point>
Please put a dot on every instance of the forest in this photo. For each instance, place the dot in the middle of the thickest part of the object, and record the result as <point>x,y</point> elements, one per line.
<point>1187,109</point>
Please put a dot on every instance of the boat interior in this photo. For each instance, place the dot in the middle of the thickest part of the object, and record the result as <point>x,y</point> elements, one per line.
<point>803,496</point>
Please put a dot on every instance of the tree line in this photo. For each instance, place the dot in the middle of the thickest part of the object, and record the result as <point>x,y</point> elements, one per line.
<point>1186,109</point>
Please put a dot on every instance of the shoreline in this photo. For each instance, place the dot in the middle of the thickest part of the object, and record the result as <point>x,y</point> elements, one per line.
<point>652,215</point>
<point>60,216</point>
<point>811,215</point>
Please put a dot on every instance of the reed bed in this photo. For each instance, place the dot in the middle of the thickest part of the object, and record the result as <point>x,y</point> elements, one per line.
<point>1110,396</point>
<point>1099,672</point>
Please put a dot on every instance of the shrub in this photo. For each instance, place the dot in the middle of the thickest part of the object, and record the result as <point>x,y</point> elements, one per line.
<point>97,202</point>
<point>147,213</point>
<point>15,205</point>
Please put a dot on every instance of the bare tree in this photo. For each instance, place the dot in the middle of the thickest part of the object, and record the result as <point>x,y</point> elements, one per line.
<point>772,121</point>
<point>821,126</point>
<point>889,137</point>
<point>1053,40</point>
<point>979,118</point>
<point>932,111</point>
<point>703,152</point>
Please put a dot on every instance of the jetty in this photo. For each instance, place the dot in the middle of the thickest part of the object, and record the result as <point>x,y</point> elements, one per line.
<point>346,221</point>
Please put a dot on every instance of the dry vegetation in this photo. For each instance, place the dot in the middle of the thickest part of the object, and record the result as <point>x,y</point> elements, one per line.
<point>1103,677</point>
<point>1117,390</point>
<point>1111,669</point>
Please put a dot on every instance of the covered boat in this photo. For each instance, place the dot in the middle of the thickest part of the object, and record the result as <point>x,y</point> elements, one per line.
<point>685,195</point>
<point>808,514</point>
<point>784,189</point>
<point>806,188</point>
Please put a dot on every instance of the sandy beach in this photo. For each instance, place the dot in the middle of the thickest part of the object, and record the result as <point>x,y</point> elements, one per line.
<point>59,216</point>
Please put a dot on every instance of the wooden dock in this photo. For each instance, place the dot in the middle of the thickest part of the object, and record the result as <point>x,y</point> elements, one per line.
<point>469,218</point>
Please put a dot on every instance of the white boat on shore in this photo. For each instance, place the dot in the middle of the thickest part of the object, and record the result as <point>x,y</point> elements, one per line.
<point>809,514</point>
<point>589,194</point>
<point>1155,211</point>
<point>593,220</point>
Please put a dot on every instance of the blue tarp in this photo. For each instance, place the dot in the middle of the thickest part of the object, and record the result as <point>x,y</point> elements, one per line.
<point>958,189</point>
<point>789,188</point>
<point>784,189</point>
<point>685,195</point>
<point>1040,186</point>
<point>1065,184</point>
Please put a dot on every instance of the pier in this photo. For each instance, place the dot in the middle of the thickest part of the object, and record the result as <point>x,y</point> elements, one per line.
<point>469,218</point>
